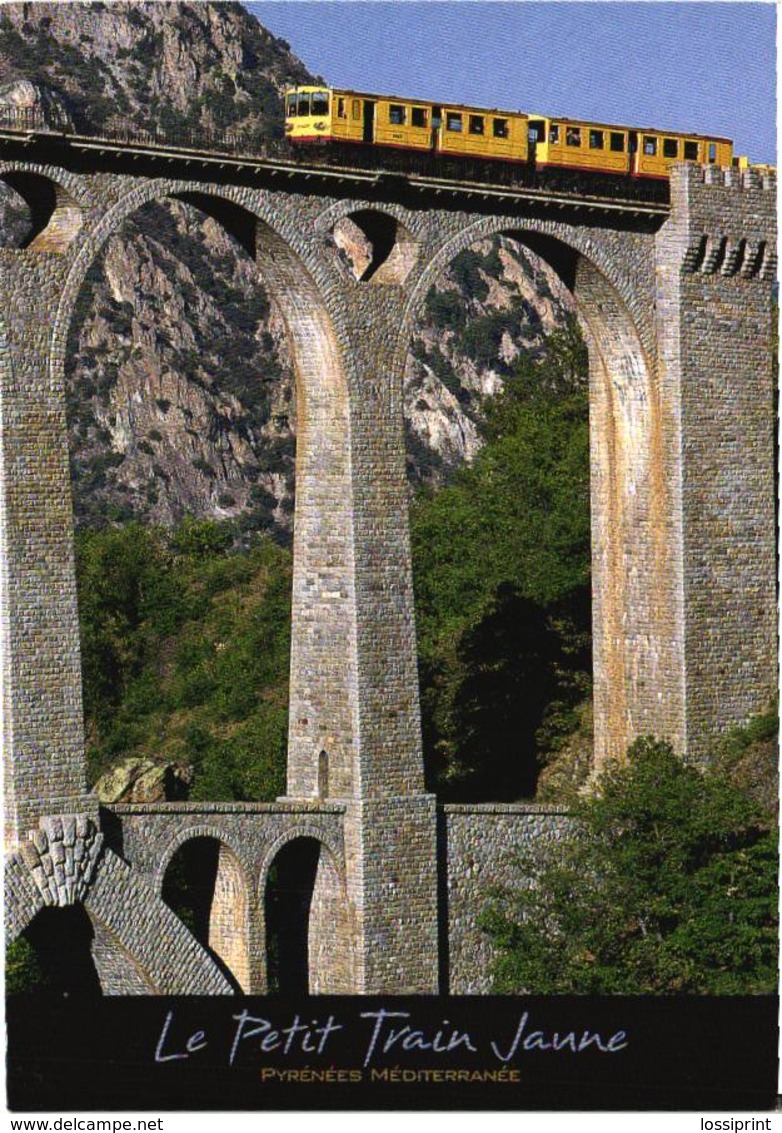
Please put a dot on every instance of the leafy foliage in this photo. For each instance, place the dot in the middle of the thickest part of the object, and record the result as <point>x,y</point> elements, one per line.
<point>22,969</point>
<point>185,648</point>
<point>501,572</point>
<point>665,884</point>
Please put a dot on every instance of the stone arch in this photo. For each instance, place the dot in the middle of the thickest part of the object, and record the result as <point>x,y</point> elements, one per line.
<point>398,232</point>
<point>327,929</point>
<point>55,213</point>
<point>301,280</point>
<point>377,245</point>
<point>634,602</point>
<point>129,919</point>
<point>227,896</point>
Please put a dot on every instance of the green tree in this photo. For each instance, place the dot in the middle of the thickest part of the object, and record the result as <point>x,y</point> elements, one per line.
<point>666,883</point>
<point>185,654</point>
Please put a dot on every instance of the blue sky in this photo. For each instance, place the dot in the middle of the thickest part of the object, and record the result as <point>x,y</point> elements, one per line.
<point>707,68</point>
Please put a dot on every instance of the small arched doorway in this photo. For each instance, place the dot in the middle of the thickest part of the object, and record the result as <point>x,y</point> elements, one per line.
<point>204,885</point>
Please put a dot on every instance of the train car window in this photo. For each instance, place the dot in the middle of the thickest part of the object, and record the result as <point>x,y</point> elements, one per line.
<point>418,116</point>
<point>304,105</point>
<point>690,151</point>
<point>453,122</point>
<point>670,147</point>
<point>500,127</point>
<point>712,151</point>
<point>617,142</point>
<point>595,139</point>
<point>476,123</point>
<point>320,103</point>
<point>396,115</point>
<point>290,106</point>
<point>355,109</point>
<point>553,135</point>
<point>341,111</point>
<point>573,136</point>
<point>650,146</point>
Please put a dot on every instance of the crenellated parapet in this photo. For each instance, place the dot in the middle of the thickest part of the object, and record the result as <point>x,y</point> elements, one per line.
<point>727,218</point>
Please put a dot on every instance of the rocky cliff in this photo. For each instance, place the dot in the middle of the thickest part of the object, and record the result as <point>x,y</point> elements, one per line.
<point>180,382</point>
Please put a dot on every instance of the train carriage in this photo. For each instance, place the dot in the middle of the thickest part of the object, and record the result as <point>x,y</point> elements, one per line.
<point>544,150</point>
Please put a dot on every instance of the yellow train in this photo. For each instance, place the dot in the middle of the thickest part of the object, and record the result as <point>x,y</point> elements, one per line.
<point>544,150</point>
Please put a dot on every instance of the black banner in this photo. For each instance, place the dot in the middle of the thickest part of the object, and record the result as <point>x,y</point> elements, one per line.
<point>342,1053</point>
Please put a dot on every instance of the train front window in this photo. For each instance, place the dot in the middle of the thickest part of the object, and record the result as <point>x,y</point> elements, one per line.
<point>670,147</point>
<point>396,114</point>
<point>476,124</point>
<point>573,136</point>
<point>320,103</point>
<point>304,105</point>
<point>418,116</point>
<point>690,151</point>
<point>500,127</point>
<point>453,122</point>
<point>712,152</point>
<point>290,106</point>
<point>595,139</point>
<point>617,142</point>
<point>650,146</point>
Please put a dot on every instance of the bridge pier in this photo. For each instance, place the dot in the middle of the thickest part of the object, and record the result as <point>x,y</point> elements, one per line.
<point>716,263</point>
<point>43,737</point>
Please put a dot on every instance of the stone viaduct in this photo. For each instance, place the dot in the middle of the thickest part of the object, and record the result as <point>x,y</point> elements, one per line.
<point>676,306</point>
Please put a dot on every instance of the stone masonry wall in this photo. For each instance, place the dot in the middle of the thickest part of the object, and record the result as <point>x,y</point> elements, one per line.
<point>148,835</point>
<point>479,850</point>
<point>716,262</point>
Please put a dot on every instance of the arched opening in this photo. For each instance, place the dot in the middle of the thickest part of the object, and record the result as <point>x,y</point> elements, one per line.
<point>290,886</point>
<point>307,939</point>
<point>204,885</point>
<point>15,218</point>
<point>375,246</point>
<point>171,422</point>
<point>53,956</point>
<point>181,416</point>
<point>51,216</point>
<point>558,449</point>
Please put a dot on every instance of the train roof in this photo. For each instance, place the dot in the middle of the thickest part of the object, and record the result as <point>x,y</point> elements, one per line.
<point>519,113</point>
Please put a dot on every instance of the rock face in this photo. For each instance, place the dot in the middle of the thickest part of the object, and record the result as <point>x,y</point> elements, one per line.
<point>181,391</point>
<point>166,65</point>
<point>495,302</point>
<point>22,96</point>
<point>143,781</point>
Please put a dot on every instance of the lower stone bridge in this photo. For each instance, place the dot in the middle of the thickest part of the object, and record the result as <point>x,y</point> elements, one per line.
<point>251,873</point>
<point>263,887</point>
